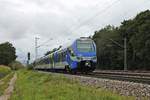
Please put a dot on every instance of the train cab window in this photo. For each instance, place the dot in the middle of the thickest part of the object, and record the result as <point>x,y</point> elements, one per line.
<point>85,46</point>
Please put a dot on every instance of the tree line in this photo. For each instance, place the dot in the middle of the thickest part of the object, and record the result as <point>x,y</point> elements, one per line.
<point>8,56</point>
<point>110,56</point>
<point>137,32</point>
<point>7,53</point>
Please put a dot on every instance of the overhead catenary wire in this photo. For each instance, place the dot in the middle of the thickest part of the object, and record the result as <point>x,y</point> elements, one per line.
<point>126,13</point>
<point>89,19</point>
<point>45,42</point>
<point>97,14</point>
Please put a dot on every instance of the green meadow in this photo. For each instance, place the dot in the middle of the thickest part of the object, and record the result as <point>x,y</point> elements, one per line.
<point>6,74</point>
<point>32,85</point>
<point>4,70</point>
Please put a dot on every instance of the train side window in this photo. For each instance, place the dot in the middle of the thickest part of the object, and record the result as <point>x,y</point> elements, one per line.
<point>59,57</point>
<point>64,55</point>
<point>69,50</point>
<point>47,61</point>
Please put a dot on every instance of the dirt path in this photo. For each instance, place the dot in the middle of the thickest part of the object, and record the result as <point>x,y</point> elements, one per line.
<point>10,88</point>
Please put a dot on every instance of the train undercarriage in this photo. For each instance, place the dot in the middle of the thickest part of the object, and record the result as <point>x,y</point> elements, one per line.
<point>83,67</point>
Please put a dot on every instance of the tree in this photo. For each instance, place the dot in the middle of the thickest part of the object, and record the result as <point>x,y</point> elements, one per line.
<point>137,32</point>
<point>109,54</point>
<point>7,53</point>
<point>16,65</point>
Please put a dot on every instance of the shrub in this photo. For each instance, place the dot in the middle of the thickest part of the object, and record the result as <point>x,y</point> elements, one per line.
<point>30,66</point>
<point>15,65</point>
<point>4,70</point>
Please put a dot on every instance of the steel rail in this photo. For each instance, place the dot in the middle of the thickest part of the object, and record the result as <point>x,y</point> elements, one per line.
<point>124,73</point>
<point>123,77</point>
<point>134,77</point>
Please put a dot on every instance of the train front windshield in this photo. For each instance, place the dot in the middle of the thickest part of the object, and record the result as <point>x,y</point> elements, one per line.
<point>85,46</point>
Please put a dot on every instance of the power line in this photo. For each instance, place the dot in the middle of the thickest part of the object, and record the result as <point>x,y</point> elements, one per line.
<point>127,12</point>
<point>82,23</point>
<point>100,12</point>
<point>45,42</point>
<point>87,19</point>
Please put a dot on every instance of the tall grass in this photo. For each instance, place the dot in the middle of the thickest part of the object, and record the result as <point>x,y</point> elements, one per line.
<point>5,82</point>
<point>32,85</point>
<point>4,70</point>
<point>5,76</point>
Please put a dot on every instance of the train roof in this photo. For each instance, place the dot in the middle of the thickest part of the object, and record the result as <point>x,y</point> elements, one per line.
<point>64,47</point>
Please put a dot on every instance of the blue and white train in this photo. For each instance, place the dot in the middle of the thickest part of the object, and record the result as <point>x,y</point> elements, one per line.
<point>80,56</point>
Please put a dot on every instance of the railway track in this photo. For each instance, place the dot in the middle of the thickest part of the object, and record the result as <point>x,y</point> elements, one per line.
<point>137,77</point>
<point>129,73</point>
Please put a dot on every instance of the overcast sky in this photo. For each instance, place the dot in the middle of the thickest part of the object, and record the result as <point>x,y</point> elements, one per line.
<point>59,21</point>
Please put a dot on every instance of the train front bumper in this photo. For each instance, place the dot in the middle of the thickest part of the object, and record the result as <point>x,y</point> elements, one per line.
<point>84,63</point>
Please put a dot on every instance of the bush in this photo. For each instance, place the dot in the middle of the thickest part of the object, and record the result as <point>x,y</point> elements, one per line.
<point>15,65</point>
<point>4,70</point>
<point>7,53</point>
<point>30,67</point>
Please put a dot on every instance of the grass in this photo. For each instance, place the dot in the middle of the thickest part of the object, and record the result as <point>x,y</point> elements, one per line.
<point>4,70</point>
<point>5,75</point>
<point>32,85</point>
<point>4,82</point>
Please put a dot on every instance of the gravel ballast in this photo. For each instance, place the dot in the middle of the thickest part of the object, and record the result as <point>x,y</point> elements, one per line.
<point>122,87</point>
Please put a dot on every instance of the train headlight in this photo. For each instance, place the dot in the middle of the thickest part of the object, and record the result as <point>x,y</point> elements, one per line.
<point>72,53</point>
<point>94,58</point>
<point>79,58</point>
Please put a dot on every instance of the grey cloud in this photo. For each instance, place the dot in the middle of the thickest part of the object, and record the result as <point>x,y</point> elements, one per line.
<point>22,20</point>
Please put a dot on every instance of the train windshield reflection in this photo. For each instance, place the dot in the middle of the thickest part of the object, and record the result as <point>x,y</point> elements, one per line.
<point>85,46</point>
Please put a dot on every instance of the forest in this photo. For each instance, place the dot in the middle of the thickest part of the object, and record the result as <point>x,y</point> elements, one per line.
<point>110,44</point>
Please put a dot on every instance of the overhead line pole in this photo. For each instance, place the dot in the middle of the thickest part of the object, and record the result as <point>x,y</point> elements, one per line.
<point>124,47</point>
<point>36,52</point>
<point>125,54</point>
<point>37,46</point>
